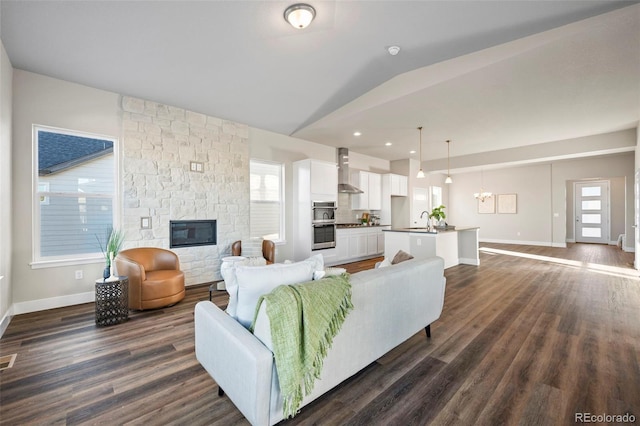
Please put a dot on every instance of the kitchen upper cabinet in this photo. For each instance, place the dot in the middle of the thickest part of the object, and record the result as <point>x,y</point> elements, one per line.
<point>371,185</point>
<point>324,179</point>
<point>397,184</point>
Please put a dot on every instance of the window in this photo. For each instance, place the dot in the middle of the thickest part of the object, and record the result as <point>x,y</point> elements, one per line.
<point>436,196</point>
<point>267,200</point>
<point>74,187</point>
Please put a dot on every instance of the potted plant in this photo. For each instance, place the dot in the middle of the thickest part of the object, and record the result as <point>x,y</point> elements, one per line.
<point>438,215</point>
<point>110,246</point>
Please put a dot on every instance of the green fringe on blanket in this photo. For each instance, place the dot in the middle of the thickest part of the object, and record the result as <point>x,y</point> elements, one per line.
<point>304,320</point>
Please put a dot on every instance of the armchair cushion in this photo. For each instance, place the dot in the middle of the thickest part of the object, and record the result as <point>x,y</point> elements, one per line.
<point>252,247</point>
<point>155,278</point>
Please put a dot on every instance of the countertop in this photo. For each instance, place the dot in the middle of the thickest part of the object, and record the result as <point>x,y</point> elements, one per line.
<point>356,226</point>
<point>423,230</point>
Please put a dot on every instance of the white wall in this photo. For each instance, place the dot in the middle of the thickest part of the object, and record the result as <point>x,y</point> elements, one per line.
<point>543,202</point>
<point>6,96</point>
<point>531,224</point>
<point>50,102</point>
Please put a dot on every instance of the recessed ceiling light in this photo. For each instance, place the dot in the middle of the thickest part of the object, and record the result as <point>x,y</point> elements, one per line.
<point>388,144</point>
<point>412,151</point>
<point>357,133</point>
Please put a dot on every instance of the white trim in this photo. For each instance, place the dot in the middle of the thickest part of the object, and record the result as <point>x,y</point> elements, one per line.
<point>67,262</point>
<point>6,320</point>
<point>53,302</point>
<point>116,203</point>
<point>526,243</point>
<point>469,261</point>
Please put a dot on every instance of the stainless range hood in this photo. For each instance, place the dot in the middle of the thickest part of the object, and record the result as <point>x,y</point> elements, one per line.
<point>343,173</point>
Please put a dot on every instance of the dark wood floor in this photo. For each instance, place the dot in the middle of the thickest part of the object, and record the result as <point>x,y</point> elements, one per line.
<point>532,336</point>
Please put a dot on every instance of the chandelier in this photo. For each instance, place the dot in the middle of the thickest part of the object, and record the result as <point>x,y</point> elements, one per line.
<point>482,195</point>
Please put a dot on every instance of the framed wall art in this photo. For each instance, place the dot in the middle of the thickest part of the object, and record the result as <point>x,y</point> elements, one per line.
<point>487,206</point>
<point>507,203</point>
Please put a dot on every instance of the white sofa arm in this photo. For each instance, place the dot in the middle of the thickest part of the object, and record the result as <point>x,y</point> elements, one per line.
<point>239,363</point>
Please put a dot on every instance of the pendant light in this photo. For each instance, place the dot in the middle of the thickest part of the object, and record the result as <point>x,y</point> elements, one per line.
<point>420,174</point>
<point>448,179</point>
<point>482,195</point>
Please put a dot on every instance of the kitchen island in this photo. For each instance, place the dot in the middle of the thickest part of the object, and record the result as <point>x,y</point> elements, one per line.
<point>455,246</point>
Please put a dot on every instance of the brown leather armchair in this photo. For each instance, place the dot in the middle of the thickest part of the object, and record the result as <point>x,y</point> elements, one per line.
<point>268,250</point>
<point>155,278</point>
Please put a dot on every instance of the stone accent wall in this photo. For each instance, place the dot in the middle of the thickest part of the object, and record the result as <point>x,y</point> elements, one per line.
<point>160,142</point>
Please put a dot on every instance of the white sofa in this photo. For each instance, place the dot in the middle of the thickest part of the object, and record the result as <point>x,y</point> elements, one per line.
<point>391,304</point>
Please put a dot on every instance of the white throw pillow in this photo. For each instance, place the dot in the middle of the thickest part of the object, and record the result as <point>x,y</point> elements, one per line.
<point>384,263</point>
<point>253,282</point>
<point>251,247</point>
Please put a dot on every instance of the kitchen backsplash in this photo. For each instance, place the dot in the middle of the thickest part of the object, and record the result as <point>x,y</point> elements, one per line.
<point>344,213</point>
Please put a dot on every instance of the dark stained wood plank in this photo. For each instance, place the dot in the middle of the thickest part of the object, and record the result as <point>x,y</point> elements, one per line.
<point>530,337</point>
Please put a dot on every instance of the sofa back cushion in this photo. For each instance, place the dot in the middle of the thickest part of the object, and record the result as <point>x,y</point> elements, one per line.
<point>251,282</point>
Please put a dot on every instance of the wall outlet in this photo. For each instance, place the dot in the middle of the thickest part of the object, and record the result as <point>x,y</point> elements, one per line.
<point>79,274</point>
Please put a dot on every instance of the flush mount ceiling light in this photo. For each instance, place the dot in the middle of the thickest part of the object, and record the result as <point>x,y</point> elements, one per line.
<point>420,174</point>
<point>357,133</point>
<point>299,15</point>
<point>388,144</point>
<point>448,179</point>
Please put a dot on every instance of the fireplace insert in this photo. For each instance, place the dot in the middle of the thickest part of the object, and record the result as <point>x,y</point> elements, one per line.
<point>189,233</point>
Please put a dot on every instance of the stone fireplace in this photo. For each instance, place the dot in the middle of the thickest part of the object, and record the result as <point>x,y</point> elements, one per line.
<point>161,144</point>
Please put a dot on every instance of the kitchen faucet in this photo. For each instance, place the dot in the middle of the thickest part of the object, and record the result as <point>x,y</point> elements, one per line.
<point>422,214</point>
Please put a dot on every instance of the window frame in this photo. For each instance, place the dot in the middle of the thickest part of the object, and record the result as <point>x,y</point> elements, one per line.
<point>282,239</point>
<point>38,261</point>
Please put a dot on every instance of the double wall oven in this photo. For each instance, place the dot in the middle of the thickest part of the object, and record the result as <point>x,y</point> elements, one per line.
<point>323,223</point>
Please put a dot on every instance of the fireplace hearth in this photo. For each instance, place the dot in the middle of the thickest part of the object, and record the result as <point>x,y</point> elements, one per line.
<point>190,233</point>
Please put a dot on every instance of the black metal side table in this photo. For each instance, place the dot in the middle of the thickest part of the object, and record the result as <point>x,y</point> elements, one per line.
<point>112,301</point>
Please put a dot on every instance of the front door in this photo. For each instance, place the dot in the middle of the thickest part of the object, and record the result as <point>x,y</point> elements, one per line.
<point>592,212</point>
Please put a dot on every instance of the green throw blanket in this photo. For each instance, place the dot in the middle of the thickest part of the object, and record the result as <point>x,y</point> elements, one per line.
<point>304,320</point>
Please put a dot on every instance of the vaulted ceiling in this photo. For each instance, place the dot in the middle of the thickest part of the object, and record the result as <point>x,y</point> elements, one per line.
<point>487,75</point>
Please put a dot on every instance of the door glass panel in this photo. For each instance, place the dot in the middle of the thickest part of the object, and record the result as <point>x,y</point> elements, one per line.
<point>590,191</point>
<point>591,232</point>
<point>592,218</point>
<point>591,204</point>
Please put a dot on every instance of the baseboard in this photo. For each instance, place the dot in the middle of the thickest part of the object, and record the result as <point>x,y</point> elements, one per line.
<point>465,261</point>
<point>526,243</point>
<point>53,302</point>
<point>6,319</point>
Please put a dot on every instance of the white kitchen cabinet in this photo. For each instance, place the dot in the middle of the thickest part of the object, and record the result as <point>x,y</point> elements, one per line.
<point>399,185</point>
<point>342,245</point>
<point>371,185</point>
<point>324,179</point>
<point>372,244</point>
<point>380,243</point>
<point>313,180</point>
<point>358,243</point>
<point>395,185</point>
